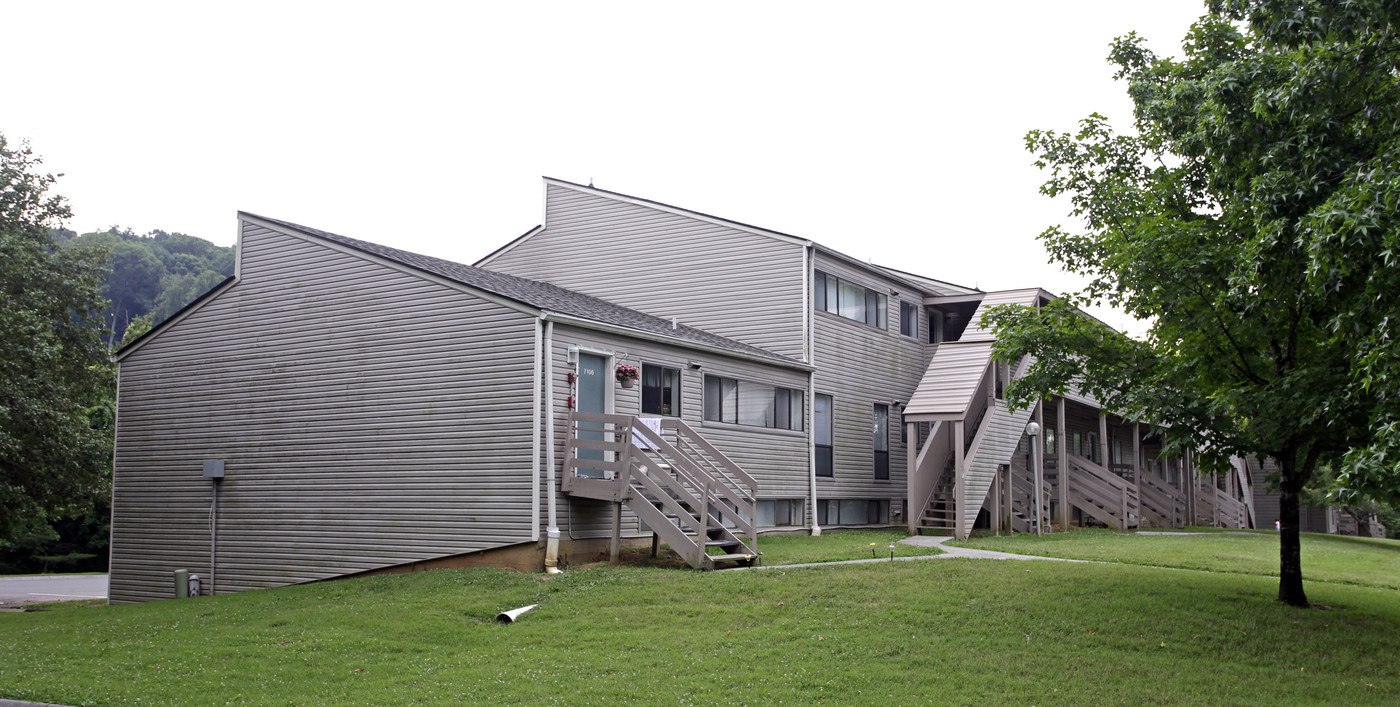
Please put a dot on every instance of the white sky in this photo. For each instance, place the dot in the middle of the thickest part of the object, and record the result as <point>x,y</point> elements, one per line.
<point>890,131</point>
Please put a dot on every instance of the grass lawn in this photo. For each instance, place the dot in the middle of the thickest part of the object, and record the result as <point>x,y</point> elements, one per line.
<point>837,545</point>
<point>1326,558</point>
<point>949,631</point>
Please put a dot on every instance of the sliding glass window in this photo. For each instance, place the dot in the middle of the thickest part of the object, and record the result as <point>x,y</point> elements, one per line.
<point>755,404</point>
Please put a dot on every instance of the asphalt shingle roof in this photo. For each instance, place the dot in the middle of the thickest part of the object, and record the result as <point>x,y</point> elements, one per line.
<point>540,295</point>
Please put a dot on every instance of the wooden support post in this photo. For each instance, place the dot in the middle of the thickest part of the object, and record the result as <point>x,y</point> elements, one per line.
<point>1137,451</point>
<point>1062,462</point>
<point>997,515</point>
<point>911,460</point>
<point>655,544</point>
<point>1103,441</point>
<point>1038,461</point>
<point>958,482</point>
<point>615,544</point>
<point>1010,487</point>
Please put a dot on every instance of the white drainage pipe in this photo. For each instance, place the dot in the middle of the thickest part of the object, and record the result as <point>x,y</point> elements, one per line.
<point>509,617</point>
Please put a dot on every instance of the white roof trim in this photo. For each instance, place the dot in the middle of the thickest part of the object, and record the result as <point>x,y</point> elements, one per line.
<point>193,307</point>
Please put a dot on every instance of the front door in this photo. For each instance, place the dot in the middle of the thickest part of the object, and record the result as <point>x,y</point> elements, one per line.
<point>593,380</point>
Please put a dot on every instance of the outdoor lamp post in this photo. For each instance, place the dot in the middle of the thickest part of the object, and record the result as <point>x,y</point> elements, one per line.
<point>1033,430</point>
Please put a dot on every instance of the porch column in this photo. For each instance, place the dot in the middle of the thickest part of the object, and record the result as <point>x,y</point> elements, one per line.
<point>996,505</point>
<point>1103,441</point>
<point>1038,461</point>
<point>1137,452</point>
<point>911,455</point>
<point>1010,526</point>
<point>959,486</point>
<point>1062,461</point>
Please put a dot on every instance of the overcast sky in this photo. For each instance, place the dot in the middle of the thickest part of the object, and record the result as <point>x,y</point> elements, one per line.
<point>890,131</point>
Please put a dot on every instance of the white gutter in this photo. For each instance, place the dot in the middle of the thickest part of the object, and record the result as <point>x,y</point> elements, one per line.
<point>672,340</point>
<point>551,551</point>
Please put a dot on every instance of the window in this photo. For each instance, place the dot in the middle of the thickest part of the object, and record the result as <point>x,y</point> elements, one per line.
<point>779,513</point>
<point>909,319</point>
<point>1049,442</point>
<point>881,433</point>
<point>661,390</point>
<point>847,299</point>
<point>754,404</point>
<point>853,512</point>
<point>821,411</point>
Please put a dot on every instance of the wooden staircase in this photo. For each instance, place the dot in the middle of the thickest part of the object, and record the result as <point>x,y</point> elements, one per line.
<point>1023,517</point>
<point>1103,495</point>
<point>1163,505</point>
<point>691,496</point>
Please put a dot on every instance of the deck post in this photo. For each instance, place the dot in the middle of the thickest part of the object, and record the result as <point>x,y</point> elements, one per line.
<point>1010,525</point>
<point>1062,462</point>
<point>1137,451</point>
<point>958,484</point>
<point>997,515</point>
<point>615,543</point>
<point>1103,441</point>
<point>1037,461</point>
<point>704,534</point>
<point>911,454</point>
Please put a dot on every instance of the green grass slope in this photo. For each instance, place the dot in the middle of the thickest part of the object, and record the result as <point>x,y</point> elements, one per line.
<point>943,631</point>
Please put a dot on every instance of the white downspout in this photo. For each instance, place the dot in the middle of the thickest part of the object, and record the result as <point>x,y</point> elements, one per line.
<point>807,279</point>
<point>551,551</point>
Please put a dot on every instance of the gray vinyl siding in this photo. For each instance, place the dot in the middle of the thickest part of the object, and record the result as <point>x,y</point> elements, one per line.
<point>777,459</point>
<point>860,365</point>
<point>742,285</point>
<point>1311,519</point>
<point>367,418</point>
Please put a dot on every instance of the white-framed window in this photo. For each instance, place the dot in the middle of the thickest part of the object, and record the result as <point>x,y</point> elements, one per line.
<point>849,300</point>
<point>909,319</point>
<point>661,390</point>
<point>744,402</point>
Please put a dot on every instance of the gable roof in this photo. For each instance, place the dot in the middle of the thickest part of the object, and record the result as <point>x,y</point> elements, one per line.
<point>541,296</point>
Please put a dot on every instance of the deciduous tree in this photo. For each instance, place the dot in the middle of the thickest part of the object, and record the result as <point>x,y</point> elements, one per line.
<point>54,366</point>
<point>1251,217</point>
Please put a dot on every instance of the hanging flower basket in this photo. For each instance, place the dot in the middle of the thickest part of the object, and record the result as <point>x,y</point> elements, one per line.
<point>627,375</point>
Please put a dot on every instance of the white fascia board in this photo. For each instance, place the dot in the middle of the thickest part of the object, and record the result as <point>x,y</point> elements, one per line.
<point>508,247</point>
<point>671,340</point>
<point>932,281</point>
<point>675,210</point>
<point>934,416</point>
<point>445,282</point>
<point>179,317</point>
<point>954,299</point>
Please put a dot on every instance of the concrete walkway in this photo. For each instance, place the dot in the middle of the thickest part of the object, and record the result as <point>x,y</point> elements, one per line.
<point>36,589</point>
<point>939,541</point>
<point>949,551</point>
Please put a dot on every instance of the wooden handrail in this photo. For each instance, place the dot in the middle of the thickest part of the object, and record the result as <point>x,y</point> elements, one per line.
<point>691,436</point>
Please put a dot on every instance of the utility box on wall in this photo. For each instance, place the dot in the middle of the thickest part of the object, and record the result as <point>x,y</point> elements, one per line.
<point>213,468</point>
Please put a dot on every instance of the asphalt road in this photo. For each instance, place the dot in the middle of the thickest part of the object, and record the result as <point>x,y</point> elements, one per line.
<point>17,591</point>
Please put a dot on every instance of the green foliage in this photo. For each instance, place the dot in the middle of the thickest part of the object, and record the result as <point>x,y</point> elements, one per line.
<point>53,360</point>
<point>931,632</point>
<point>1252,218</point>
<point>156,274</point>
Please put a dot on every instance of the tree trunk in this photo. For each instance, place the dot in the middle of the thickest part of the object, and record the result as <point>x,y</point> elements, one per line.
<point>1290,577</point>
